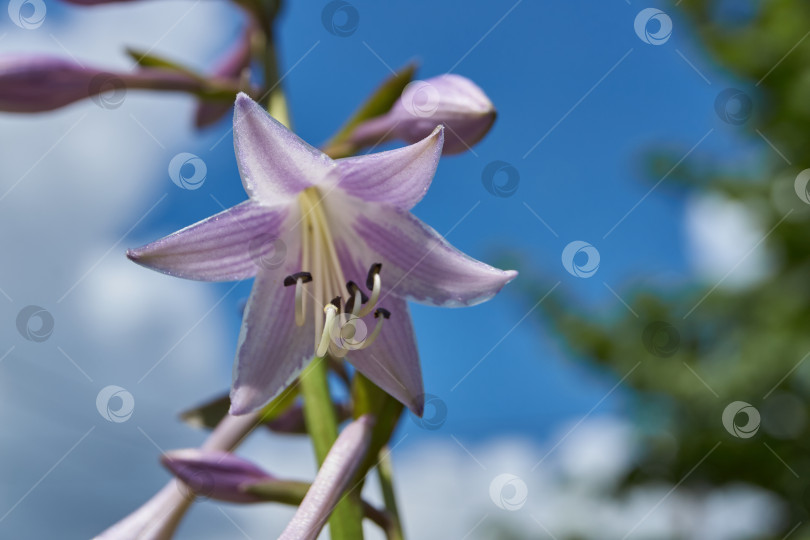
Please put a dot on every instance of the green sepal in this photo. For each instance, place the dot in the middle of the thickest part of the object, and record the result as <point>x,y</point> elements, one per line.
<point>210,414</point>
<point>147,60</point>
<point>280,491</point>
<point>369,398</point>
<point>377,104</point>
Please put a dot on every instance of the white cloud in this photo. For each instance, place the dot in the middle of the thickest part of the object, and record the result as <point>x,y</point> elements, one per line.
<point>722,239</point>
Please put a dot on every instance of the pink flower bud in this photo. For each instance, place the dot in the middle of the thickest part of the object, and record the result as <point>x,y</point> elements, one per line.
<point>451,100</point>
<point>215,474</point>
<point>42,83</point>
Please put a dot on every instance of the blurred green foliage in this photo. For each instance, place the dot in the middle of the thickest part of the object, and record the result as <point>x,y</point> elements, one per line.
<point>694,350</point>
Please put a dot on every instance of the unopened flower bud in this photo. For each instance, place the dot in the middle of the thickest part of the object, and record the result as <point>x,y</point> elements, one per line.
<point>452,100</point>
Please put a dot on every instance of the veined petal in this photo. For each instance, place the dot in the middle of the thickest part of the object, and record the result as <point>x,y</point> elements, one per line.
<point>398,177</point>
<point>275,164</point>
<point>216,474</point>
<point>332,480</point>
<point>272,350</point>
<point>417,262</point>
<point>392,360</point>
<point>228,246</point>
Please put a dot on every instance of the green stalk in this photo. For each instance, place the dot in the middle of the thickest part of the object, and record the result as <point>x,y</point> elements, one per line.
<point>368,398</point>
<point>385,472</point>
<point>319,413</point>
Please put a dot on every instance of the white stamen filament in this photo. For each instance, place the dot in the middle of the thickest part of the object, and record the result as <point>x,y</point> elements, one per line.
<point>299,302</point>
<point>358,302</point>
<point>374,333</point>
<point>323,346</point>
<point>375,296</point>
<point>319,256</point>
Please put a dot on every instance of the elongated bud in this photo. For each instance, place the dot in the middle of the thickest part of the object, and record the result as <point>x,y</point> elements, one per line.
<point>215,474</point>
<point>331,481</point>
<point>451,100</point>
<point>42,83</point>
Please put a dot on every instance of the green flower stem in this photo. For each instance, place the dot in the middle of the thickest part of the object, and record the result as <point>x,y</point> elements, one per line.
<point>385,472</point>
<point>321,420</point>
<point>293,492</point>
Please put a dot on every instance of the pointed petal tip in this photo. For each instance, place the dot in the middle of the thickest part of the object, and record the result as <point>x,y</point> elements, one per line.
<point>243,99</point>
<point>417,406</point>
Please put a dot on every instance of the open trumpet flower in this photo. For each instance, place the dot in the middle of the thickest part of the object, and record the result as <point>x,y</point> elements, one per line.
<point>335,253</point>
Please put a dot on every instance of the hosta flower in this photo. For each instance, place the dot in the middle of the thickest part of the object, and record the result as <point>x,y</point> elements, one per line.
<point>450,100</point>
<point>335,253</point>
